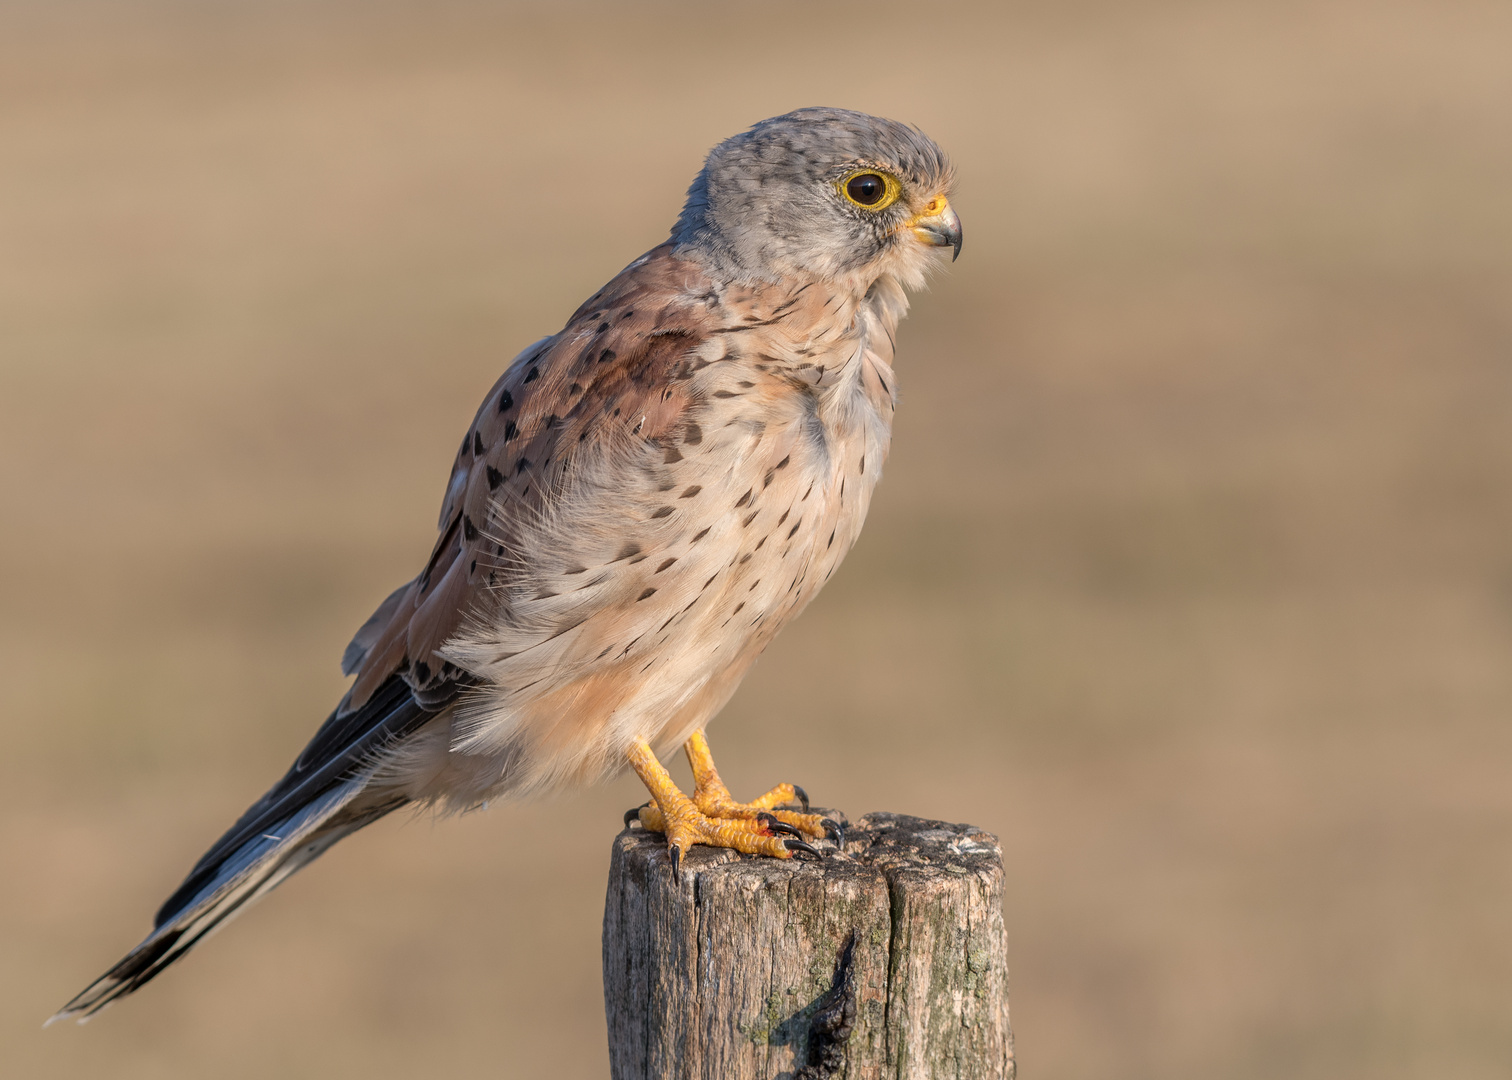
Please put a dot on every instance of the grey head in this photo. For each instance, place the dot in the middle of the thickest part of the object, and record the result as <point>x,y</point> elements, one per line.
<point>821,193</point>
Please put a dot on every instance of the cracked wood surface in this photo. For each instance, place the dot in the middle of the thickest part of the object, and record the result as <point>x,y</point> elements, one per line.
<point>736,967</point>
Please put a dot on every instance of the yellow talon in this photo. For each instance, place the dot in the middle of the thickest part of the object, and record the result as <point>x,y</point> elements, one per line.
<point>712,816</point>
<point>712,797</point>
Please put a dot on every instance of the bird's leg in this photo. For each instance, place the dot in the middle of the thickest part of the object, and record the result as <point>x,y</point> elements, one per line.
<point>714,799</point>
<point>713,803</point>
<point>685,824</point>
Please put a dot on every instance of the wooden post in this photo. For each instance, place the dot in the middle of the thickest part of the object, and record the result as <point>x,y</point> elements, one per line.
<point>886,960</point>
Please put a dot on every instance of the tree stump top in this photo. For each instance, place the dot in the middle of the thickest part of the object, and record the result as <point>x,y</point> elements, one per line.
<point>885,959</point>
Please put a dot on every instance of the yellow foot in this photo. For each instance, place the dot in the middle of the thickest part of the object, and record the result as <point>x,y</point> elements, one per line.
<point>714,799</point>
<point>712,817</point>
<point>764,835</point>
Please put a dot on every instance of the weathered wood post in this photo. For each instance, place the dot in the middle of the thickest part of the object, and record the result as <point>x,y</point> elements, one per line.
<point>888,959</point>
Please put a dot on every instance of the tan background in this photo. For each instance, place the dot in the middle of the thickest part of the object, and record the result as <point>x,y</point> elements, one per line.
<point>1190,576</point>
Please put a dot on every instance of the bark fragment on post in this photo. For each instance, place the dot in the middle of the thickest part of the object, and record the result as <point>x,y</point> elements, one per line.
<point>886,960</point>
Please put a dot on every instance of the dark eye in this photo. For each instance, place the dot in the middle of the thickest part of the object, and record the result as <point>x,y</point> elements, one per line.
<point>866,188</point>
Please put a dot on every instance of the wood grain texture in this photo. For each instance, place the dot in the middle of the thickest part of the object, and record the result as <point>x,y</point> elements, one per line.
<point>887,960</point>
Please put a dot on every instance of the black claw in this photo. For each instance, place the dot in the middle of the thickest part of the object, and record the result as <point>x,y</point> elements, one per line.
<point>774,826</point>
<point>633,814</point>
<point>802,797</point>
<point>676,853</point>
<point>799,845</point>
<point>834,830</point>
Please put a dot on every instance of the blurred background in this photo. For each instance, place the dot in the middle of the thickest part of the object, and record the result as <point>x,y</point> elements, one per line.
<point>1190,576</point>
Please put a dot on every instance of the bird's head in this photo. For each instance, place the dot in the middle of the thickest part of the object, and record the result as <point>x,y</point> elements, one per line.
<point>822,193</point>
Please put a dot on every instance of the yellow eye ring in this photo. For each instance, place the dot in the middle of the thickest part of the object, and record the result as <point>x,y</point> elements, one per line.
<point>870,189</point>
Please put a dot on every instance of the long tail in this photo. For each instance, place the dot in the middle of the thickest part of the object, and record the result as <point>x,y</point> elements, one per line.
<point>323,798</point>
<point>256,867</point>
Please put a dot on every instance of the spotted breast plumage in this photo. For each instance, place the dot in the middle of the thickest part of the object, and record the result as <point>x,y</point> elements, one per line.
<point>641,503</point>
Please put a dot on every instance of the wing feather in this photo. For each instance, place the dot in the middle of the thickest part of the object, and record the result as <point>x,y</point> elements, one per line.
<point>344,747</point>
<point>613,375</point>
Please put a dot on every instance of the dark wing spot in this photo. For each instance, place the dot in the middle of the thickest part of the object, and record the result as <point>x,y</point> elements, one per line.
<point>827,546</point>
<point>863,465</point>
<point>510,431</point>
<point>692,434</point>
<point>784,462</point>
<point>495,478</point>
<point>749,518</point>
<point>478,444</point>
<point>627,551</point>
<point>666,564</point>
<point>469,530</point>
<point>671,456</point>
<point>506,401</point>
<point>606,356</point>
<point>422,671</point>
<point>602,328</point>
<point>690,491</point>
<point>522,465</point>
<point>661,512</point>
<point>642,596</point>
<point>738,607</point>
<point>743,499</point>
<point>700,535</point>
<point>533,374</point>
<point>794,528</point>
<point>725,394</point>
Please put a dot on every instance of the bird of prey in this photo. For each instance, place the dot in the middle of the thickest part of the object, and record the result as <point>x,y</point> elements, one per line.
<point>642,501</point>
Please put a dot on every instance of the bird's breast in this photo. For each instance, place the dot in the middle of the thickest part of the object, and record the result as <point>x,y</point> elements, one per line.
<point>657,580</point>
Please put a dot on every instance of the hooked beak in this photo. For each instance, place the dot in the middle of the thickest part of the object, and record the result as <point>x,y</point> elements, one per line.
<point>939,226</point>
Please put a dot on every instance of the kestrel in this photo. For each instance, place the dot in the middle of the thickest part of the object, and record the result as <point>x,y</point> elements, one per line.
<point>642,501</point>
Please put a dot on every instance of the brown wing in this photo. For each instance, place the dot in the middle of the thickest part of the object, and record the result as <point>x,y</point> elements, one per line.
<point>612,373</point>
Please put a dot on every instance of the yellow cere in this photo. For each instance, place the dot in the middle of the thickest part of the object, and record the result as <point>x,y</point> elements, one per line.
<point>933,208</point>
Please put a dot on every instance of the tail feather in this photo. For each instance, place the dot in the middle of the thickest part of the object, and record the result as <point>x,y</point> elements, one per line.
<point>324,796</point>
<point>255,868</point>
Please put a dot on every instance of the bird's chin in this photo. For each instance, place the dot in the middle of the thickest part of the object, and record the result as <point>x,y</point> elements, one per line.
<point>911,262</point>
